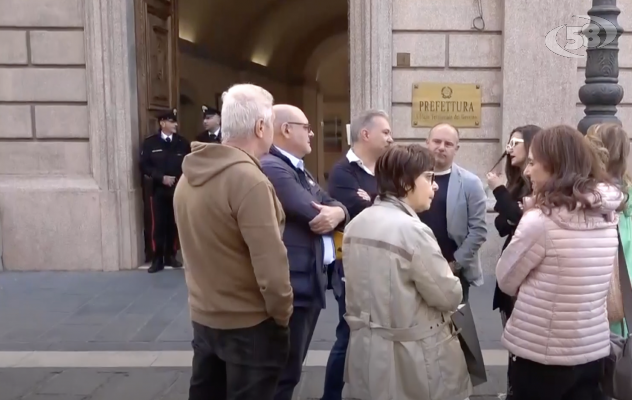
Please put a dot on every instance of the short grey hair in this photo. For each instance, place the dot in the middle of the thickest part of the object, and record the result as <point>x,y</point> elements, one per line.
<point>242,105</point>
<point>364,121</point>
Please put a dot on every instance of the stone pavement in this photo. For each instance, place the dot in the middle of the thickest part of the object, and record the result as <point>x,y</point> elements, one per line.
<point>126,335</point>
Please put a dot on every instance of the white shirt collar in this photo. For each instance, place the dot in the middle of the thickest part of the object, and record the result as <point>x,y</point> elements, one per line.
<point>215,133</point>
<point>353,158</point>
<point>165,136</point>
<point>446,172</point>
<point>297,162</point>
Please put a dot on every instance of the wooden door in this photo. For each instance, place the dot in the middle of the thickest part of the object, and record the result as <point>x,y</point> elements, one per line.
<point>157,36</point>
<point>156,60</point>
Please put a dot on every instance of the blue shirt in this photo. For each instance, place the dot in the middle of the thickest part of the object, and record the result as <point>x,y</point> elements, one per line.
<point>329,248</point>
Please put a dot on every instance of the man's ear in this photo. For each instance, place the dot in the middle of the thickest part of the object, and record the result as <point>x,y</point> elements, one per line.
<point>259,125</point>
<point>285,129</point>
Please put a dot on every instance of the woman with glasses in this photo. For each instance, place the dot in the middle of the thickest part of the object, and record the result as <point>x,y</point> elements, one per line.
<point>401,292</point>
<point>509,205</point>
<point>509,197</point>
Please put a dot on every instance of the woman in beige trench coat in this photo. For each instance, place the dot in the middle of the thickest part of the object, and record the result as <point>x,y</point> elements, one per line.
<point>400,292</point>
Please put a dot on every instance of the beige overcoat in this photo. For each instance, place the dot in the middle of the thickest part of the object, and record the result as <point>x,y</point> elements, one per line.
<point>400,293</point>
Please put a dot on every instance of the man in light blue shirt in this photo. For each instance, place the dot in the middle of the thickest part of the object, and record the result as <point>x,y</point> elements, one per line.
<point>311,218</point>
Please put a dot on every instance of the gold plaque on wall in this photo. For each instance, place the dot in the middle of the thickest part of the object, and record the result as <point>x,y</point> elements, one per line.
<point>458,104</point>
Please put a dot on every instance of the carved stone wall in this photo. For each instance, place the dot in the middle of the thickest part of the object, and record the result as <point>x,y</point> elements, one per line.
<point>443,47</point>
<point>67,153</point>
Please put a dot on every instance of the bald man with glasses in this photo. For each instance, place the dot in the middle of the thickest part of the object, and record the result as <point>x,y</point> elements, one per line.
<point>312,216</point>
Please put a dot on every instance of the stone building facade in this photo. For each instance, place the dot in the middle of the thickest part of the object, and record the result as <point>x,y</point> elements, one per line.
<point>69,103</point>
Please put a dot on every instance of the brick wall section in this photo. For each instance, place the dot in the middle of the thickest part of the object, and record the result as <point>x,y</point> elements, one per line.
<point>443,47</point>
<point>43,95</point>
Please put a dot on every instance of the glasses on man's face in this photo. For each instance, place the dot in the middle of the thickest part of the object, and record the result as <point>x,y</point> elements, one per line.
<point>513,143</point>
<point>307,127</point>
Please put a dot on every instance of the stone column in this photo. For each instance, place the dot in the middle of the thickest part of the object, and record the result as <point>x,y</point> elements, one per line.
<point>113,127</point>
<point>370,41</point>
<point>539,86</point>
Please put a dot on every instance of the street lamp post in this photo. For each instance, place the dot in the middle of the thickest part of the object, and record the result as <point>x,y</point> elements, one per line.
<point>601,94</point>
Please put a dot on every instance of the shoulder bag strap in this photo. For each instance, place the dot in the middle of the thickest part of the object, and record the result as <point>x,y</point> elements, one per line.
<point>626,286</point>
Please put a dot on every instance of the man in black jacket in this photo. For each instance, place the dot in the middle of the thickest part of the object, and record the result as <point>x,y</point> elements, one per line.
<point>352,182</point>
<point>311,217</point>
<point>212,126</point>
<point>161,160</point>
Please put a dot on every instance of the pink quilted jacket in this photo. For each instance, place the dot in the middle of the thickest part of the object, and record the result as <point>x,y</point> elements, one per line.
<point>559,266</point>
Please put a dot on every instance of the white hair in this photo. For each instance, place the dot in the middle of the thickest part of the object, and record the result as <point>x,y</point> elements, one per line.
<point>364,121</point>
<point>242,106</point>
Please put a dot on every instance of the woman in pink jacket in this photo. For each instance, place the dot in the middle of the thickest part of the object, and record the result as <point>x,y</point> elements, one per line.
<point>559,264</point>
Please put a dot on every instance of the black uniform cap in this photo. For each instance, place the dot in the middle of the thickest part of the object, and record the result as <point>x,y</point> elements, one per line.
<point>209,112</point>
<point>171,115</point>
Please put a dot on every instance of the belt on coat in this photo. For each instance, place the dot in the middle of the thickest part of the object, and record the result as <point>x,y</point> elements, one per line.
<point>412,334</point>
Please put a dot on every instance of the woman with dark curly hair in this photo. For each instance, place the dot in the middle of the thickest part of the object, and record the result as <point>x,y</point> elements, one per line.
<point>559,264</point>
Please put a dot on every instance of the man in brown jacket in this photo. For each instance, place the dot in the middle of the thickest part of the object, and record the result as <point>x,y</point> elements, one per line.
<point>230,224</point>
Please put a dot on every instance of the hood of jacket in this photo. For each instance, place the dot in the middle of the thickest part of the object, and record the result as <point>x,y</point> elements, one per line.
<point>602,214</point>
<point>207,160</point>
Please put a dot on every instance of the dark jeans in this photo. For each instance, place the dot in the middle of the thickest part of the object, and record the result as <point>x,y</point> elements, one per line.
<point>534,381</point>
<point>334,374</point>
<point>238,364</point>
<point>302,325</point>
<point>504,317</point>
<point>164,232</point>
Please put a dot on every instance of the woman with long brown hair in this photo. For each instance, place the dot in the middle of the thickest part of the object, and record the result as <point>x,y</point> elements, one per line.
<point>509,205</point>
<point>509,198</point>
<point>558,265</point>
<point>612,146</point>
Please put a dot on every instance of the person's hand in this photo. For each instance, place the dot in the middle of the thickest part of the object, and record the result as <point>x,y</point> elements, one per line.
<point>493,180</point>
<point>168,180</point>
<point>364,195</point>
<point>452,265</point>
<point>327,219</point>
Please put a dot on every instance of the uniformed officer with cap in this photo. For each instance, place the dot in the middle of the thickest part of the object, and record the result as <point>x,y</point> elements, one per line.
<point>161,159</point>
<point>212,131</point>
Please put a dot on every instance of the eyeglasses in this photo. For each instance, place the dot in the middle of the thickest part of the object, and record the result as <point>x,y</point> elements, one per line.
<point>307,127</point>
<point>513,143</point>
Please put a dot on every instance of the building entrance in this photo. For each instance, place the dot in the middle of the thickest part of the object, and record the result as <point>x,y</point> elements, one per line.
<point>190,52</point>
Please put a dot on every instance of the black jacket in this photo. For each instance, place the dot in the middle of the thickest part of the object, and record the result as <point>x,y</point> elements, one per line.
<point>206,137</point>
<point>345,179</point>
<point>159,158</point>
<point>296,191</point>
<point>509,214</point>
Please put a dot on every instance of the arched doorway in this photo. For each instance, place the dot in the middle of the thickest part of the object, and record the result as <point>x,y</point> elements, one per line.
<point>296,49</point>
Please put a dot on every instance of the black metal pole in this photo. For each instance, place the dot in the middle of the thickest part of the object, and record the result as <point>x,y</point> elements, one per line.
<point>602,93</point>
